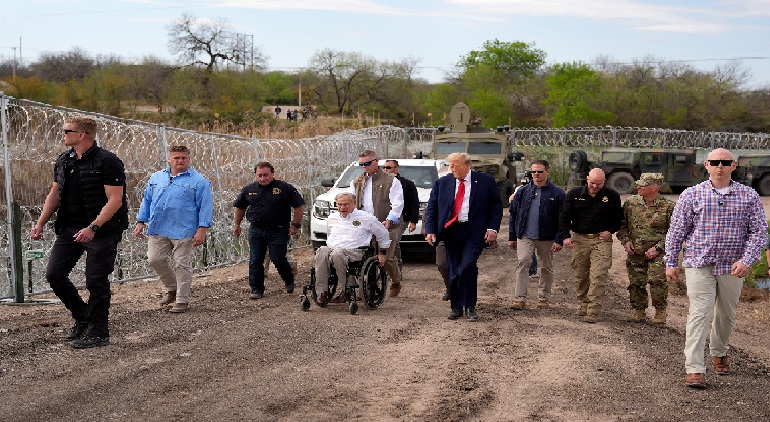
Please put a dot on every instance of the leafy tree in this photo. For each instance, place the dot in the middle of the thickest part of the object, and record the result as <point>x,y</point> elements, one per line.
<point>572,90</point>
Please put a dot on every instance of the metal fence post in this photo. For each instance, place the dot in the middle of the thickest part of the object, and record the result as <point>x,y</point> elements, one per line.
<point>17,268</point>
<point>406,139</point>
<point>14,226</point>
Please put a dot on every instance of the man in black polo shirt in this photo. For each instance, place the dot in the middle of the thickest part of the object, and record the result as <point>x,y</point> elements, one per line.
<point>89,193</point>
<point>267,205</point>
<point>588,218</point>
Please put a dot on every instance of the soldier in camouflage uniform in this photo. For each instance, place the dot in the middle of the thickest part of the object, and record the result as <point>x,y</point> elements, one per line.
<point>642,233</point>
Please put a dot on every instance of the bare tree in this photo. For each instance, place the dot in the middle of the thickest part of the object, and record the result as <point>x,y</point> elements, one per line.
<point>62,67</point>
<point>200,42</point>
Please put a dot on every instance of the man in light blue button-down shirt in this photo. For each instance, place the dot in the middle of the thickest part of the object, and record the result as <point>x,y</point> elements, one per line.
<point>177,208</point>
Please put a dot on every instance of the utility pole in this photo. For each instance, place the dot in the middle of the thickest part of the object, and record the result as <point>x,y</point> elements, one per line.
<point>14,63</point>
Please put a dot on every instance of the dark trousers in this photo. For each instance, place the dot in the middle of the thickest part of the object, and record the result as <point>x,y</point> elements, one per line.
<point>100,262</point>
<point>277,241</point>
<point>461,255</point>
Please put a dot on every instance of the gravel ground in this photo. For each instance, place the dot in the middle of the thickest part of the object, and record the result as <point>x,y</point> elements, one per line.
<point>234,359</point>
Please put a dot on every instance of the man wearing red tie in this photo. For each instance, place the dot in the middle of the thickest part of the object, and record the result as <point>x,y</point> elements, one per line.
<point>464,210</point>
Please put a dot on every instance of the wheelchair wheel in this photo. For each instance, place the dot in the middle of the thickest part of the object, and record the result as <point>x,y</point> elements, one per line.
<point>304,303</point>
<point>332,286</point>
<point>353,308</point>
<point>374,283</point>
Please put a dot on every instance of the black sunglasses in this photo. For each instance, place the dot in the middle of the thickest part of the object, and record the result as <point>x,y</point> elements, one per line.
<point>716,163</point>
<point>537,171</point>
<point>366,163</point>
<point>66,131</point>
<point>388,167</point>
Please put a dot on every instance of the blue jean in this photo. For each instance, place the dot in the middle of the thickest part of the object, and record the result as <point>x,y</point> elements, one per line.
<point>277,241</point>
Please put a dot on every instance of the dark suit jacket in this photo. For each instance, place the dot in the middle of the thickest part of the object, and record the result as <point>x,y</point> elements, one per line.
<point>411,212</point>
<point>485,212</point>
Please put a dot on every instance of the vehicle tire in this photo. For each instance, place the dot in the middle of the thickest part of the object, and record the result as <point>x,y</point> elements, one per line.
<point>622,182</point>
<point>578,161</point>
<point>763,187</point>
<point>506,189</point>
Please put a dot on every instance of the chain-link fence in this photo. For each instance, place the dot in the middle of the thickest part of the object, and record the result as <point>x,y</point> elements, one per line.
<point>32,140</point>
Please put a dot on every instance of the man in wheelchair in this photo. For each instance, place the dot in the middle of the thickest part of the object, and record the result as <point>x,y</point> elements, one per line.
<point>349,233</point>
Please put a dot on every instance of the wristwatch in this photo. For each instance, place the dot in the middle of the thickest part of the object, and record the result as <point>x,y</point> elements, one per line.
<point>94,227</point>
<point>296,225</point>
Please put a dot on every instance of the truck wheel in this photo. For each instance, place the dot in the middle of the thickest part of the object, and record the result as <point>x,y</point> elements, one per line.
<point>506,189</point>
<point>578,161</point>
<point>621,182</point>
<point>764,185</point>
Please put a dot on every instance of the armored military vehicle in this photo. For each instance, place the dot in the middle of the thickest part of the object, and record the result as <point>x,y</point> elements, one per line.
<point>754,170</point>
<point>489,149</point>
<point>624,166</point>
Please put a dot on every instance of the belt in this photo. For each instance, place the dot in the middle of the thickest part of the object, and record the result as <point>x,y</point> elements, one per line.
<point>589,236</point>
<point>462,222</point>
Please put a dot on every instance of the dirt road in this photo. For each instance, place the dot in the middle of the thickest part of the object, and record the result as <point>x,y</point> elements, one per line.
<point>234,359</point>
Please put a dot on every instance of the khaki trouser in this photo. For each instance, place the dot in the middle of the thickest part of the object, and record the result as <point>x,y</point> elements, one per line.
<point>708,293</point>
<point>170,259</point>
<point>339,257</point>
<point>591,260</point>
<point>542,248</point>
<point>391,261</point>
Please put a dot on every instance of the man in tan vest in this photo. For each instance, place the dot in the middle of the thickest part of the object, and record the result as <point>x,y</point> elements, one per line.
<point>381,194</point>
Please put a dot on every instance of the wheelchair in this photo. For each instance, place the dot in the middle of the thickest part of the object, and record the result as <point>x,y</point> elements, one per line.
<point>365,275</point>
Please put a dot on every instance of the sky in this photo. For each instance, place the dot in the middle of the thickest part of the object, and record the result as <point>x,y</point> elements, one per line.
<point>702,33</point>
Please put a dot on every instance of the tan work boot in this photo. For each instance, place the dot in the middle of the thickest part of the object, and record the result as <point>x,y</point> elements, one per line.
<point>591,318</point>
<point>583,310</point>
<point>168,298</point>
<point>660,317</point>
<point>638,316</point>
<point>519,304</point>
<point>543,304</point>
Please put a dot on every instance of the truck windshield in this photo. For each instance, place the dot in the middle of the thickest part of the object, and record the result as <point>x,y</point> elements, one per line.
<point>485,148</point>
<point>422,176</point>
<point>450,147</point>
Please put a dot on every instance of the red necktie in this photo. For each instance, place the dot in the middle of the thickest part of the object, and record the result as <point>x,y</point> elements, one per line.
<point>458,203</point>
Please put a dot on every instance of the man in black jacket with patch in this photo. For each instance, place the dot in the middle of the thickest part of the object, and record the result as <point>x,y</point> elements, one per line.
<point>89,196</point>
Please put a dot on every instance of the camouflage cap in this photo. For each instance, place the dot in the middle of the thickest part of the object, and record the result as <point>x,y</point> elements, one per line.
<point>650,179</point>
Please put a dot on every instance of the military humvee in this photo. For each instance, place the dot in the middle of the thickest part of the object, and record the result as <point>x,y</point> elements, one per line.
<point>490,150</point>
<point>624,166</point>
<point>754,170</point>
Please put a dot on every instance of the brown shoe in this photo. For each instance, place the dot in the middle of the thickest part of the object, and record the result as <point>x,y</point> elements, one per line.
<point>582,311</point>
<point>168,298</point>
<point>694,380</point>
<point>394,289</point>
<point>660,317</point>
<point>638,316</point>
<point>590,318</point>
<point>721,366</point>
<point>179,308</point>
<point>342,298</point>
<point>543,304</point>
<point>323,299</point>
<point>519,304</point>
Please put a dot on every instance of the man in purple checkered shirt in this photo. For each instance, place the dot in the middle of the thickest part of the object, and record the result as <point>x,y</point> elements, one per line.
<point>724,228</point>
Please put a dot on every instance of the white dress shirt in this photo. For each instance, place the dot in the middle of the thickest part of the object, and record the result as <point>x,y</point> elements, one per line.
<point>463,215</point>
<point>355,230</point>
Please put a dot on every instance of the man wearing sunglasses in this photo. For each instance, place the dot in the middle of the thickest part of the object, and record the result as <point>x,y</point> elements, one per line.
<point>382,195</point>
<point>724,228</point>
<point>89,196</point>
<point>534,226</point>
<point>411,214</point>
